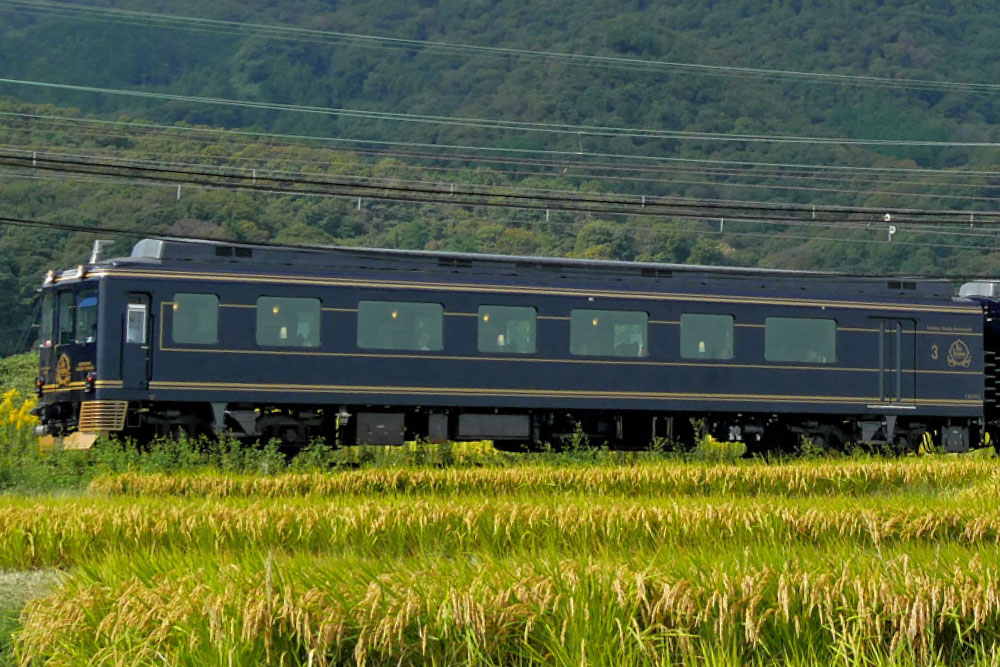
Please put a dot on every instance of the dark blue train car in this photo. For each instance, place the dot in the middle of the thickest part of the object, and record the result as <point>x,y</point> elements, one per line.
<point>380,346</point>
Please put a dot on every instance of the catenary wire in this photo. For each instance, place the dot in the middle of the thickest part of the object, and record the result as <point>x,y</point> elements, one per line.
<point>290,33</point>
<point>564,129</point>
<point>710,172</point>
<point>536,199</point>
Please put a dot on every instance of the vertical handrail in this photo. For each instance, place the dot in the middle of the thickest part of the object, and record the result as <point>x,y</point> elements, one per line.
<point>881,360</point>
<point>899,360</point>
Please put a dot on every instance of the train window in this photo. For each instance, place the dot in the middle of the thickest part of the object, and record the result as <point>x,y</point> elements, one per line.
<point>396,325</point>
<point>65,318</point>
<point>706,336</point>
<point>86,316</point>
<point>48,320</point>
<point>800,339</point>
<point>136,320</point>
<point>608,333</point>
<point>507,329</point>
<point>195,318</point>
<point>288,322</point>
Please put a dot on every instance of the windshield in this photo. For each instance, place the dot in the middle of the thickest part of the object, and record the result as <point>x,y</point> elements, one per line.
<point>48,320</point>
<point>65,318</point>
<point>86,316</point>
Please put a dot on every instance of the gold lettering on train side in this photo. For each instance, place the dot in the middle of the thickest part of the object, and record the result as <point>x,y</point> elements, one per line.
<point>959,354</point>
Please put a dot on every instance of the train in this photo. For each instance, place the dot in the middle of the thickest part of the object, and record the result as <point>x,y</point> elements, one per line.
<point>370,346</point>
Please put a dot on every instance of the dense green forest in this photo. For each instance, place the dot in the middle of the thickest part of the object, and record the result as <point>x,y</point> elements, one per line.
<point>323,55</point>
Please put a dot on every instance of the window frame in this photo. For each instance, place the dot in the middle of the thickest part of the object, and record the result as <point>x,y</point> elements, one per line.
<point>817,361</point>
<point>141,309</point>
<point>82,294</point>
<point>732,336</point>
<point>361,318</point>
<point>47,324</point>
<point>258,311</point>
<point>480,315</point>
<point>173,318</point>
<point>67,295</point>
<point>596,314</point>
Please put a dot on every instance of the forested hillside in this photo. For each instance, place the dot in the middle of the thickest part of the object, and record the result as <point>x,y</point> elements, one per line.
<point>648,69</point>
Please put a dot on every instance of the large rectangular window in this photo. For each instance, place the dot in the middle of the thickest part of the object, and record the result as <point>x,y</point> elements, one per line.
<point>507,329</point>
<point>86,316</point>
<point>706,336</point>
<point>65,318</point>
<point>195,319</point>
<point>608,333</point>
<point>400,325</point>
<point>284,322</point>
<point>800,339</point>
<point>47,330</point>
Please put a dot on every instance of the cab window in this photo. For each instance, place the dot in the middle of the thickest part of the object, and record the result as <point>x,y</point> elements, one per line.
<point>65,318</point>
<point>86,316</point>
<point>47,329</point>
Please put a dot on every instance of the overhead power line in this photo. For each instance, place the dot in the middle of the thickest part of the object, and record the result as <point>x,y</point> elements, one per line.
<point>582,169</point>
<point>581,132</point>
<point>565,158</point>
<point>845,225</point>
<point>290,33</point>
<point>506,197</point>
<point>406,196</point>
<point>723,176</point>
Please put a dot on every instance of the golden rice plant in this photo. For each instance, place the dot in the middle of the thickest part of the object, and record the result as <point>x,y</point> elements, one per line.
<point>659,478</point>
<point>52,533</point>
<point>323,612</point>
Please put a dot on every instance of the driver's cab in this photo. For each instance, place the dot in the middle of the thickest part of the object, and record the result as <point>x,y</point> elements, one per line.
<point>68,337</point>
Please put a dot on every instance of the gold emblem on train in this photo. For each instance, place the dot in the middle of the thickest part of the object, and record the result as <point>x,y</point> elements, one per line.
<point>63,375</point>
<point>959,354</point>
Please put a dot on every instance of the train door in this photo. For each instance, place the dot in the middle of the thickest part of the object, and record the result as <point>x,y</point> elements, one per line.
<point>897,360</point>
<point>62,343</point>
<point>136,345</point>
<point>47,338</point>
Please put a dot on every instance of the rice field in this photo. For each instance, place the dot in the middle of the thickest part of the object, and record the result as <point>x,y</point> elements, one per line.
<point>853,562</point>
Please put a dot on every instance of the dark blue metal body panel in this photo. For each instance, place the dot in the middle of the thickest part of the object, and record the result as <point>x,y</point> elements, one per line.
<point>941,373</point>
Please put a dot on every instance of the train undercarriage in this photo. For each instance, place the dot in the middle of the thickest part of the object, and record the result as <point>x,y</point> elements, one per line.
<point>513,430</point>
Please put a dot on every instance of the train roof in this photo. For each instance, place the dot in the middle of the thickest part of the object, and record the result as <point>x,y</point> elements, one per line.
<point>167,251</point>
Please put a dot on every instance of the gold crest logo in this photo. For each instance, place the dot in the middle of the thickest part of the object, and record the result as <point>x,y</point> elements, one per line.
<point>63,375</point>
<point>959,354</point>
